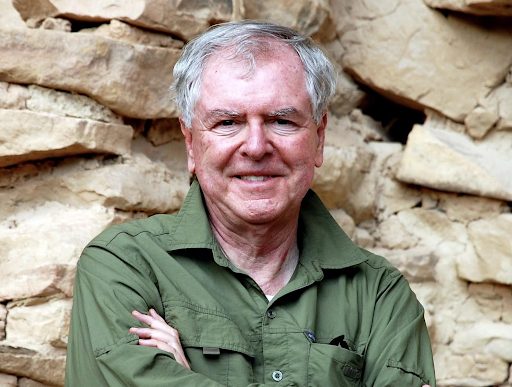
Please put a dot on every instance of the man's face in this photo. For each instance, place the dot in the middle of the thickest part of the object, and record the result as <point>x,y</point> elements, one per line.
<point>253,143</point>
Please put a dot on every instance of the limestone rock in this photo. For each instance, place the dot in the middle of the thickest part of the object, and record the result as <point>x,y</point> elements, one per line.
<point>423,59</point>
<point>3,316</point>
<point>132,80</point>
<point>116,29</point>
<point>493,247</point>
<point>36,259</point>
<point>467,208</point>
<point>497,104</point>
<point>491,337</point>
<point>9,17</point>
<point>45,368</point>
<point>26,136</point>
<point>56,24</point>
<point>477,7</point>
<point>311,17</point>
<point>39,326</point>
<point>181,18</point>
<point>44,100</point>
<point>445,160</point>
<point>13,96</point>
<point>164,131</point>
<point>344,221</point>
<point>25,382</point>
<point>138,184</point>
<point>480,121</point>
<point>8,380</point>
<point>468,369</point>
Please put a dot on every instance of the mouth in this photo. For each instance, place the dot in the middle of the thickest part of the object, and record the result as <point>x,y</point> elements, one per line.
<point>254,178</point>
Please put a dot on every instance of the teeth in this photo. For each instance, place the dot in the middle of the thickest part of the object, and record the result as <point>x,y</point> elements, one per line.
<point>253,178</point>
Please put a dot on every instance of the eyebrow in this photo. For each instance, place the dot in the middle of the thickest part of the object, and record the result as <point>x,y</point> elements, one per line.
<point>223,113</point>
<point>284,112</point>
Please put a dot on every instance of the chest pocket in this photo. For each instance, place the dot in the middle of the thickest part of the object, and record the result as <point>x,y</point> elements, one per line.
<point>332,365</point>
<point>213,343</point>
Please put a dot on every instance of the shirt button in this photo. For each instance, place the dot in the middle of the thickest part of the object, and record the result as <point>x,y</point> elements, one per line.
<point>271,314</point>
<point>277,376</point>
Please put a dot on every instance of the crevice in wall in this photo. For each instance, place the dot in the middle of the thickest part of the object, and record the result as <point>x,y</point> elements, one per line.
<point>397,120</point>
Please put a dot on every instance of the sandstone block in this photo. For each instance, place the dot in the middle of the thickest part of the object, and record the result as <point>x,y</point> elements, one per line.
<point>423,59</point>
<point>497,104</point>
<point>116,29</point>
<point>39,326</point>
<point>36,259</point>
<point>26,136</point>
<point>468,369</point>
<point>477,7</point>
<point>181,18</point>
<point>44,100</point>
<point>3,316</point>
<point>138,184</point>
<point>132,80</point>
<point>9,17</point>
<point>8,380</point>
<point>449,161</point>
<point>312,17</point>
<point>25,382</point>
<point>13,96</point>
<point>491,337</point>
<point>45,368</point>
<point>467,208</point>
<point>493,248</point>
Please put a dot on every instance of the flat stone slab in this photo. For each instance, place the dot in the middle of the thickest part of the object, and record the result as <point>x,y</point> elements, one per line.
<point>131,79</point>
<point>28,136</point>
<point>476,7</point>
<point>446,160</point>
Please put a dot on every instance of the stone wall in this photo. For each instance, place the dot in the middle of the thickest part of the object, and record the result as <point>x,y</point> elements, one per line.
<point>418,162</point>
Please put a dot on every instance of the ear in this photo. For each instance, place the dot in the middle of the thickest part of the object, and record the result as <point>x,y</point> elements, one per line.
<point>187,133</point>
<point>320,133</point>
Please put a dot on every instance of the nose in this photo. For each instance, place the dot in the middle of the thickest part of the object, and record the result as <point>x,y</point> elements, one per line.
<point>256,143</point>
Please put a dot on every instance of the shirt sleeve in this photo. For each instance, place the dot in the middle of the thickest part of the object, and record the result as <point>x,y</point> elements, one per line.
<point>398,352</point>
<point>101,351</point>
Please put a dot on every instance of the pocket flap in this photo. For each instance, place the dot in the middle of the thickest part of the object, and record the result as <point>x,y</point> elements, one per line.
<point>202,327</point>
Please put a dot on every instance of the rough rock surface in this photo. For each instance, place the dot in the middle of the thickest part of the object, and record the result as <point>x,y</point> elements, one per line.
<point>478,7</point>
<point>26,136</point>
<point>446,160</point>
<point>184,18</point>
<point>130,79</point>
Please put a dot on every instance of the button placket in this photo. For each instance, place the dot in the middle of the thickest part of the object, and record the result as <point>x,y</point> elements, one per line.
<point>271,314</point>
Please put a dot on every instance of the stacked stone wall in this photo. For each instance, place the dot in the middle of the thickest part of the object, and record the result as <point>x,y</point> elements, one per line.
<point>418,156</point>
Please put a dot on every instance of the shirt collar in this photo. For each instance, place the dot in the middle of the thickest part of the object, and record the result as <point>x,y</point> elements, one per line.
<point>321,240</point>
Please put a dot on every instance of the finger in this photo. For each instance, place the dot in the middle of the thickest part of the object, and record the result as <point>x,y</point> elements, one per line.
<point>177,352</point>
<point>155,321</point>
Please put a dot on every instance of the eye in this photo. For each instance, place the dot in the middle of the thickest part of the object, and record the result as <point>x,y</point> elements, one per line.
<point>227,123</point>
<point>281,121</point>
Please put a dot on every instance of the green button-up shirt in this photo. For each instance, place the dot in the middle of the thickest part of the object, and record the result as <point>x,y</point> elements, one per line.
<point>346,318</point>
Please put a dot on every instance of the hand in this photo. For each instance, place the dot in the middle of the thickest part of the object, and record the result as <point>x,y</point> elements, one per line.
<point>159,335</point>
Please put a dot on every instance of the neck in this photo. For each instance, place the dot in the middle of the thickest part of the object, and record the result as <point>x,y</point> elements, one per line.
<point>268,254</point>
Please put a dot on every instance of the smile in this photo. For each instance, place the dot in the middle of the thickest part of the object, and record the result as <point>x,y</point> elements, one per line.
<point>254,178</point>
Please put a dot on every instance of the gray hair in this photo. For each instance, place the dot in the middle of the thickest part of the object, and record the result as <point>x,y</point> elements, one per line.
<point>246,39</point>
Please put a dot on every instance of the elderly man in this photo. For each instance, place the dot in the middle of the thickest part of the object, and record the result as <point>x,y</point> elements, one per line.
<point>252,282</point>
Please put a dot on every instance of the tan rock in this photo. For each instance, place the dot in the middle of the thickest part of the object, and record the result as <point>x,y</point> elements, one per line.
<point>465,208</point>
<point>181,18</point>
<point>3,316</point>
<point>311,17</point>
<point>45,368</point>
<point>477,7</point>
<point>449,161</point>
<point>9,17</point>
<point>493,247</point>
<point>494,338</point>
<point>56,24</point>
<point>480,121</point>
<point>25,382</point>
<point>8,380</point>
<point>44,100</point>
<point>468,369</point>
<point>497,103</point>
<point>164,131</point>
<point>138,184</point>
<point>116,29</point>
<point>422,59</point>
<point>39,325</point>
<point>13,96</point>
<point>26,136</point>
<point>132,80</point>
<point>36,259</point>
